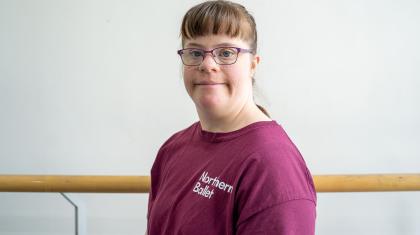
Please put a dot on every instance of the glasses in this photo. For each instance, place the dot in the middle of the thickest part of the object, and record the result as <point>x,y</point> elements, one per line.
<point>221,55</point>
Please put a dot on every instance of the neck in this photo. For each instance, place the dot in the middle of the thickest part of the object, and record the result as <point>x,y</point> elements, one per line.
<point>248,114</point>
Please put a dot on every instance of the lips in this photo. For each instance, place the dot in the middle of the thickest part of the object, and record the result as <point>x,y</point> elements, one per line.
<point>208,83</point>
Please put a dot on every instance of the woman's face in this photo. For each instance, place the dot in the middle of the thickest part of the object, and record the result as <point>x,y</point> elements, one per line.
<point>220,89</point>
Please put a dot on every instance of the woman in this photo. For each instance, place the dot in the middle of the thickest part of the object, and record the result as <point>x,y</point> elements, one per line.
<point>235,171</point>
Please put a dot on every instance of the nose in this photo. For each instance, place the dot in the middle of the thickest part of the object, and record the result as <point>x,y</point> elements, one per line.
<point>208,63</point>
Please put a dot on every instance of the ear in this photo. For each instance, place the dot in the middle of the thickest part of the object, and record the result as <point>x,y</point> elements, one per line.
<point>254,63</point>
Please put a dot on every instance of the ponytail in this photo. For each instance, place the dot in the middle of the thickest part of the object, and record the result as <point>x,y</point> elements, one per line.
<point>263,110</point>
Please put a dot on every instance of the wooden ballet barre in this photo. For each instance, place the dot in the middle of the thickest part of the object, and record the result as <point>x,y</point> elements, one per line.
<point>141,184</point>
<point>367,183</point>
<point>74,183</point>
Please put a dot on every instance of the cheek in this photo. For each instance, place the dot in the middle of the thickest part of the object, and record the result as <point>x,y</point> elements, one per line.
<point>188,68</point>
<point>188,75</point>
<point>239,79</point>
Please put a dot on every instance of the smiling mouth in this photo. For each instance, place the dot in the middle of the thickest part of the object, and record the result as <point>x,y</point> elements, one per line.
<point>208,84</point>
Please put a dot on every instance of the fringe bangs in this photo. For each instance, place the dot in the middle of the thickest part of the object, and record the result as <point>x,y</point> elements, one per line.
<point>218,17</point>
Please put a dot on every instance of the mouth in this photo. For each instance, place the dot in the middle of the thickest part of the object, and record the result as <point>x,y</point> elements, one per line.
<point>208,84</point>
<point>216,84</point>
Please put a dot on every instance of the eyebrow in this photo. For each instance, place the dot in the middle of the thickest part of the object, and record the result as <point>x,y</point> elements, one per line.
<point>217,45</point>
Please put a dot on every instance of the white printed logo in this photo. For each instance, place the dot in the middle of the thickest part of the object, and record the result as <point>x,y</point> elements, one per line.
<point>204,185</point>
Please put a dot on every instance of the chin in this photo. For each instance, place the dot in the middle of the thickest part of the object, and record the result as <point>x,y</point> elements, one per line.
<point>212,104</point>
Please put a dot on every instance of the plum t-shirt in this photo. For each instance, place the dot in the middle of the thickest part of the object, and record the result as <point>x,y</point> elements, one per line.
<point>249,181</point>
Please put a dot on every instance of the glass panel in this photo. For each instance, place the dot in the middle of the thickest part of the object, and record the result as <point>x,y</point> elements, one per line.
<point>36,214</point>
<point>385,213</point>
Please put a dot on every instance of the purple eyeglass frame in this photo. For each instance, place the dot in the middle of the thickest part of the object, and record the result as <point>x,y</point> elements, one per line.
<point>181,52</point>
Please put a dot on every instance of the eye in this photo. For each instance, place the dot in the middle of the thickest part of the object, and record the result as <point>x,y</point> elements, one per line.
<point>226,52</point>
<point>195,53</point>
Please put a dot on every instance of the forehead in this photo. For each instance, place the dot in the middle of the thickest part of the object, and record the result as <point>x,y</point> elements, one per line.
<point>212,41</point>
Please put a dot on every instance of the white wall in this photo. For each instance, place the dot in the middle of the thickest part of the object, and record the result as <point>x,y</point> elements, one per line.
<point>94,87</point>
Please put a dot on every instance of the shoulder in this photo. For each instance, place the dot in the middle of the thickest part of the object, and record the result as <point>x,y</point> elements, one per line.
<point>278,156</point>
<point>273,173</point>
<point>268,139</point>
<point>174,142</point>
<point>179,137</point>
<point>281,168</point>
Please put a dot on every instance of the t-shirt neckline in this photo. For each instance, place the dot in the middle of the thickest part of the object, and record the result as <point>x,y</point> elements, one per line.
<point>224,136</point>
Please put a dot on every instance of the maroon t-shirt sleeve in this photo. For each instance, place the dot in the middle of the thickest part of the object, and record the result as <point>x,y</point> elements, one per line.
<point>156,172</point>
<point>276,194</point>
<point>295,217</point>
